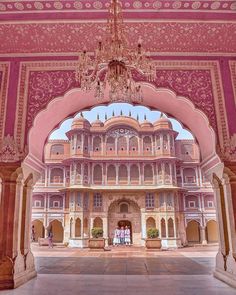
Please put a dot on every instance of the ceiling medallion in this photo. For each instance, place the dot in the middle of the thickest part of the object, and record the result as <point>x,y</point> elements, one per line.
<point>111,67</point>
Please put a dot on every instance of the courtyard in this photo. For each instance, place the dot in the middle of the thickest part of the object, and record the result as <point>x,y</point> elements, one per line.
<point>124,270</point>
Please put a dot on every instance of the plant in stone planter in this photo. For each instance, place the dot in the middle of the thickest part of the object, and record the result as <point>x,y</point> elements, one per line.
<point>97,232</point>
<point>152,233</point>
<point>153,241</point>
<point>97,242</point>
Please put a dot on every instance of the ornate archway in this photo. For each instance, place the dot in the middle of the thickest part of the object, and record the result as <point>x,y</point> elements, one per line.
<point>118,216</point>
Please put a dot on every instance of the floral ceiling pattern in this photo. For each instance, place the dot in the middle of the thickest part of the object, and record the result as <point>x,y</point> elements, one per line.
<point>69,37</point>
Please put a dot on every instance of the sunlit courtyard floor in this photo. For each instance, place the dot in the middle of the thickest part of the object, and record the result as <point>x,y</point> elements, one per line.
<point>124,270</point>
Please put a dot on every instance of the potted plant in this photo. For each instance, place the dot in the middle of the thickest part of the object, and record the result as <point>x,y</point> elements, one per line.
<point>97,241</point>
<point>153,241</point>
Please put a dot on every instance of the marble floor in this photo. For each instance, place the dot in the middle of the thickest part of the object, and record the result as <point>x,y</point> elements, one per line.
<point>123,271</point>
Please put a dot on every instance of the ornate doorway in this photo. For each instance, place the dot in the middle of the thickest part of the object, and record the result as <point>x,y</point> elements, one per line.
<point>125,211</point>
<point>125,223</point>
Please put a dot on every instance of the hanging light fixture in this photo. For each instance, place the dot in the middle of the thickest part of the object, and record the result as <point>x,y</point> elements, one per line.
<point>113,63</point>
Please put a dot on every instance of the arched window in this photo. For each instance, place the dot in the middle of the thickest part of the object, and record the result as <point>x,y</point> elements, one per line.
<point>148,174</point>
<point>165,142</point>
<point>122,144</point>
<point>170,228</point>
<point>86,143</point>
<point>147,144</point>
<point>134,174</point>
<point>167,170</point>
<point>57,175</point>
<point>111,174</point>
<point>78,228</point>
<point>97,174</point>
<point>162,200</point>
<point>158,142</point>
<point>123,174</point>
<point>110,144</point>
<point>124,208</point>
<point>163,228</point>
<point>78,173</point>
<point>85,226</point>
<point>133,144</point>
<point>150,223</point>
<point>57,149</point>
<point>97,144</point>
<point>85,173</point>
<point>79,142</point>
<point>169,200</point>
<point>98,222</point>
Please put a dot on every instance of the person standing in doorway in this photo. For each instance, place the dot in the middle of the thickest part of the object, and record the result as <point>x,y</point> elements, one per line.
<point>50,236</point>
<point>116,240</point>
<point>127,236</point>
<point>122,235</point>
<point>32,234</point>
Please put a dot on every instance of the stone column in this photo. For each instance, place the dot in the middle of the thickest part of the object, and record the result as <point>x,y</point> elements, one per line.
<point>117,174</point>
<point>128,167</point>
<point>229,188</point>
<point>16,259</point>
<point>90,226</point>
<point>161,143</point>
<point>116,146</point>
<point>105,229</point>
<point>203,235</point>
<point>143,224</point>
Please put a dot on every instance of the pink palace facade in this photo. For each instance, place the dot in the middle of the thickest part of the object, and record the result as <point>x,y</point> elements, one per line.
<point>123,172</point>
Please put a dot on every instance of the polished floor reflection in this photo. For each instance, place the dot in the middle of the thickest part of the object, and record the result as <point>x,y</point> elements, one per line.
<point>124,271</point>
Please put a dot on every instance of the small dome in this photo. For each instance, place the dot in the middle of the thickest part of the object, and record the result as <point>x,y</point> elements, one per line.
<point>163,123</point>
<point>146,123</point>
<point>97,123</point>
<point>80,122</point>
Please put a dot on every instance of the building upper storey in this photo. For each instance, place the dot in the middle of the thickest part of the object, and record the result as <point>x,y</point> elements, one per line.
<point>121,137</point>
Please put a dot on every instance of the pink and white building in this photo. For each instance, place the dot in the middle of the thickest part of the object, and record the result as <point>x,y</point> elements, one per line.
<point>124,172</point>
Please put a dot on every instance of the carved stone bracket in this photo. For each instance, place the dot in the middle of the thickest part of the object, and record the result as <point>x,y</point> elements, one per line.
<point>10,151</point>
<point>228,151</point>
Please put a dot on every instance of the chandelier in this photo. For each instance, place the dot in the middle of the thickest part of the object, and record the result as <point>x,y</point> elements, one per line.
<point>113,63</point>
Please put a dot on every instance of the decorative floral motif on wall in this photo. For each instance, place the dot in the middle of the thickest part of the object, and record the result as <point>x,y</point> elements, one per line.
<point>193,84</point>
<point>44,86</point>
<point>70,37</point>
<point>9,150</point>
<point>121,132</point>
<point>228,152</point>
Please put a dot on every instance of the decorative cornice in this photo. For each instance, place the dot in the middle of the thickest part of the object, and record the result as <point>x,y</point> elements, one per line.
<point>10,151</point>
<point>129,5</point>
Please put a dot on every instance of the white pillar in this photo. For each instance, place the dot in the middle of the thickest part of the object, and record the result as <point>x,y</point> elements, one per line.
<point>143,224</point>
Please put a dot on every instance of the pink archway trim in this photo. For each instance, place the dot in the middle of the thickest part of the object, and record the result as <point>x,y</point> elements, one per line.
<point>162,99</point>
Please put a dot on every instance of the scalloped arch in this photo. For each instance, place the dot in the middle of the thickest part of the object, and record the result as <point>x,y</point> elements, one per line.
<point>162,99</point>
